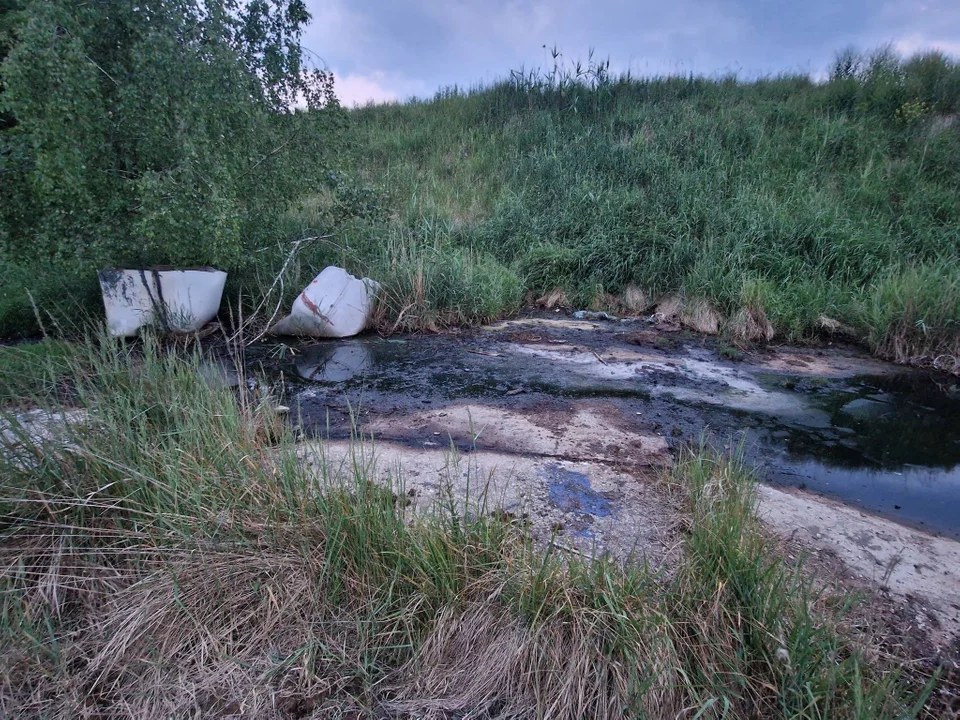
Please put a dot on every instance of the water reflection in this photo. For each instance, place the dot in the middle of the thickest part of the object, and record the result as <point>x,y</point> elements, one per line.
<point>890,423</point>
<point>334,363</point>
<point>924,496</point>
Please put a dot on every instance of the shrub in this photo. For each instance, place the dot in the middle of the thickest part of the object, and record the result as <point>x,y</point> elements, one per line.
<point>156,132</point>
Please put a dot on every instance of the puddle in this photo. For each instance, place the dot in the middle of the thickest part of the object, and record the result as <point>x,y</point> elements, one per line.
<point>925,497</point>
<point>891,422</point>
<point>334,362</point>
<point>888,443</point>
<point>892,446</point>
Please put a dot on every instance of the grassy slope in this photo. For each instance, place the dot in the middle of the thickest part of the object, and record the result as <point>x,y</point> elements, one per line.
<point>808,205</point>
<point>174,557</point>
<point>800,199</point>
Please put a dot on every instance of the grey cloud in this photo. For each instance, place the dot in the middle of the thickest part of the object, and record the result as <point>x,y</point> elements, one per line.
<point>417,46</point>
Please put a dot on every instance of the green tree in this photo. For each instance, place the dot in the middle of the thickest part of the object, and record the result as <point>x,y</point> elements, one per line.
<point>9,16</point>
<point>157,131</point>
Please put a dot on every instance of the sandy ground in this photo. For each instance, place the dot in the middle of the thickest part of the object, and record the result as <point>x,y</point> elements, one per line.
<point>596,495</point>
<point>583,506</point>
<point>920,571</point>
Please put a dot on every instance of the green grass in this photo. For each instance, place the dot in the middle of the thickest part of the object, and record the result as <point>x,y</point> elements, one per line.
<point>172,554</point>
<point>838,200</point>
<point>778,205</point>
<point>35,301</point>
<point>31,371</point>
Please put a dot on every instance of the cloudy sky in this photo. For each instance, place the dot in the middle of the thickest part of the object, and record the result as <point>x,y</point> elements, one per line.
<point>385,50</point>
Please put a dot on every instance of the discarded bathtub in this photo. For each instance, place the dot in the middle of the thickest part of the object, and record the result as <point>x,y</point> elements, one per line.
<point>171,300</point>
<point>334,305</point>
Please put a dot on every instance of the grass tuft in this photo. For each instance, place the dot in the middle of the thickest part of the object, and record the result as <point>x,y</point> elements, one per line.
<point>699,315</point>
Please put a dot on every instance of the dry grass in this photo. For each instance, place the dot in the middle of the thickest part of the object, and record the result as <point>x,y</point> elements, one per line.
<point>557,669</point>
<point>175,558</point>
<point>605,302</point>
<point>830,326</point>
<point>699,315</point>
<point>669,308</point>
<point>750,324</point>
<point>905,345</point>
<point>194,631</point>
<point>553,299</point>
<point>635,300</point>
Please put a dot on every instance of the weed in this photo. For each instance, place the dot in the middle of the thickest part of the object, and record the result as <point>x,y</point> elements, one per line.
<point>666,343</point>
<point>817,199</point>
<point>729,352</point>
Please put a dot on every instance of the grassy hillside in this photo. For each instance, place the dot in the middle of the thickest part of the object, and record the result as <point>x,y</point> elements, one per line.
<point>777,206</point>
<point>781,199</point>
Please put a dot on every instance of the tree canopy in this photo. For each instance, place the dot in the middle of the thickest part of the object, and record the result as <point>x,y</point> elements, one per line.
<point>156,131</point>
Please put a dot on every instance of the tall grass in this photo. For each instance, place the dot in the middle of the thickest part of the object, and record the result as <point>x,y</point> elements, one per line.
<point>167,552</point>
<point>824,193</point>
<point>32,370</point>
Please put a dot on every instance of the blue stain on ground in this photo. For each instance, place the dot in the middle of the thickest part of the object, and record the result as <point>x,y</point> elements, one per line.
<point>571,492</point>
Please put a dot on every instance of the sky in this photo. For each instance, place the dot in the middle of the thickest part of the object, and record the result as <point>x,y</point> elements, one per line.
<point>383,50</point>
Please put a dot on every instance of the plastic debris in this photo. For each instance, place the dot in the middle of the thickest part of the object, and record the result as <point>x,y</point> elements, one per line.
<point>334,305</point>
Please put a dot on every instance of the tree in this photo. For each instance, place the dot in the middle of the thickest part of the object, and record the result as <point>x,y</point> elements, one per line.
<point>157,131</point>
<point>9,16</point>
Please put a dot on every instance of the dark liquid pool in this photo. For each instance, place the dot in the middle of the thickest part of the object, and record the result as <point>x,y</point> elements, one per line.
<point>892,446</point>
<point>889,444</point>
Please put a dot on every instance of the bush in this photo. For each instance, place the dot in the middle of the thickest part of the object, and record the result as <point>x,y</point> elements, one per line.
<point>157,132</point>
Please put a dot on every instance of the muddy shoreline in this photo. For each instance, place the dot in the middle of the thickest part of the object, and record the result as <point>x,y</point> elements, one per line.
<point>570,425</point>
<point>827,420</point>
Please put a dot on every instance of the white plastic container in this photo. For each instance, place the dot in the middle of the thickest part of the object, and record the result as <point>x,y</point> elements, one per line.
<point>171,300</point>
<point>334,305</point>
